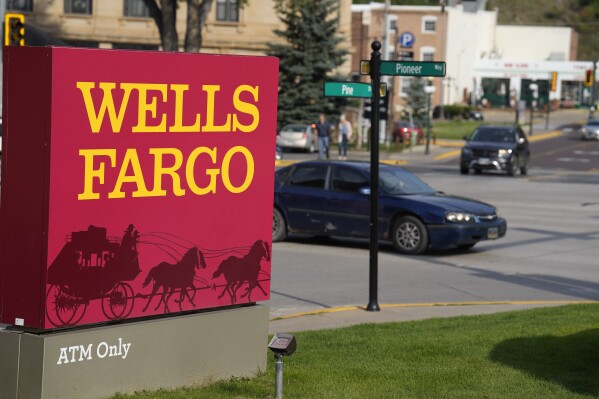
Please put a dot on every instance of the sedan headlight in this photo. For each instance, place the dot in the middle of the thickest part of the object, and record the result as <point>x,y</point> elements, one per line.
<point>460,217</point>
<point>504,153</point>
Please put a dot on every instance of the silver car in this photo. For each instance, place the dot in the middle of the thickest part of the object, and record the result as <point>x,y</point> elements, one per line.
<point>590,131</point>
<point>297,137</point>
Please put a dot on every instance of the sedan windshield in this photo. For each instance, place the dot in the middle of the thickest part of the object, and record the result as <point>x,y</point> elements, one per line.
<point>493,135</point>
<point>396,181</point>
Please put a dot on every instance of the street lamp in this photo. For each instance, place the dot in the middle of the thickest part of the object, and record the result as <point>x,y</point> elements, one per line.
<point>534,89</point>
<point>429,89</point>
<point>282,345</point>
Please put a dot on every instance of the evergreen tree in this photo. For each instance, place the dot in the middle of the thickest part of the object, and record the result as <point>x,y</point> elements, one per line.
<point>416,100</point>
<point>310,53</point>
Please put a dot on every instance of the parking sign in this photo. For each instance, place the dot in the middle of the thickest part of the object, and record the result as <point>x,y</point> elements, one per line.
<point>406,40</point>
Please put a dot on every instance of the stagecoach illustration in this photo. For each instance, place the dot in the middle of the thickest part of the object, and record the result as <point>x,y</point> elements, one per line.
<point>93,266</point>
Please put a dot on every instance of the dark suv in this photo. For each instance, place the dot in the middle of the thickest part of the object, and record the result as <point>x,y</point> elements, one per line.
<point>502,148</point>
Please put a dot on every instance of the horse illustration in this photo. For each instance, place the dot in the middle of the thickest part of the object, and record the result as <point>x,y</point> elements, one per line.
<point>238,271</point>
<point>171,277</point>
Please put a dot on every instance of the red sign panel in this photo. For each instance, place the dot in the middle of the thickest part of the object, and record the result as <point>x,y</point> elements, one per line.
<point>134,184</point>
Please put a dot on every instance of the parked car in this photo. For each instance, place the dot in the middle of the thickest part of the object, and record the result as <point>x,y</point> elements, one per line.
<point>590,130</point>
<point>503,148</point>
<point>474,114</point>
<point>325,198</point>
<point>297,136</point>
<point>403,131</point>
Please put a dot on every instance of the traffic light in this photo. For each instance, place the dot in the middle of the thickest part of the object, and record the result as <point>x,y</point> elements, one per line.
<point>14,30</point>
<point>588,78</point>
<point>553,81</point>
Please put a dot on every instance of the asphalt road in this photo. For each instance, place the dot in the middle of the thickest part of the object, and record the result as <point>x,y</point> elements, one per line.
<point>549,253</point>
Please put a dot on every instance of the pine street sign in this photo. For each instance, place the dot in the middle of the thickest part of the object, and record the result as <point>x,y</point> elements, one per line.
<point>412,68</point>
<point>347,89</point>
<point>351,89</point>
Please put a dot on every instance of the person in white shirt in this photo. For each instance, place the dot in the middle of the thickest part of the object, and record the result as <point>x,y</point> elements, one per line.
<point>344,136</point>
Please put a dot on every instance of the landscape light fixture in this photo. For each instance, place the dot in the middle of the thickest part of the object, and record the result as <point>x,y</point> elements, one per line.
<point>282,345</point>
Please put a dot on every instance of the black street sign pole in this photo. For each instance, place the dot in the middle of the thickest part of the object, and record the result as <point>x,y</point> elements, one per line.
<point>375,75</point>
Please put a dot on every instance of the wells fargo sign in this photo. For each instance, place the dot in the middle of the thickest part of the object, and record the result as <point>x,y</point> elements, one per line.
<point>134,184</point>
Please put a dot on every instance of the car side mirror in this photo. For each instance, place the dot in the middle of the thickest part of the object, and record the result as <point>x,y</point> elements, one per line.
<point>364,190</point>
<point>465,138</point>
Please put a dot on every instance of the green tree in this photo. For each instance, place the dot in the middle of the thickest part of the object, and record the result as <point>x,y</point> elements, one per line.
<point>307,58</point>
<point>416,100</point>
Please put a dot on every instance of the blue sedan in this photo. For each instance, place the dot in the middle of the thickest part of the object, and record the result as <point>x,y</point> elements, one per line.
<point>330,198</point>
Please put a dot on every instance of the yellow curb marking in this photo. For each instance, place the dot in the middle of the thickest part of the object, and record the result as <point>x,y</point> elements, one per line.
<point>285,162</point>
<point>416,305</point>
<point>449,154</point>
<point>443,143</point>
<point>544,136</point>
<point>394,161</point>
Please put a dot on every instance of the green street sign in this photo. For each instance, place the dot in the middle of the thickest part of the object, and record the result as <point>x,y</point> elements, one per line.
<point>351,89</point>
<point>412,68</point>
<point>347,89</point>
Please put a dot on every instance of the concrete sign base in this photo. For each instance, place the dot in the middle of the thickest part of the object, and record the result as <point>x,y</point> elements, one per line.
<point>165,353</point>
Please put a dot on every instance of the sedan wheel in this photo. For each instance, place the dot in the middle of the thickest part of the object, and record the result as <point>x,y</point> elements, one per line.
<point>409,235</point>
<point>279,228</point>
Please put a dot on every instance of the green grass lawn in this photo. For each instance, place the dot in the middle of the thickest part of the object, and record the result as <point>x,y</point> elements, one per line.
<point>453,129</point>
<point>541,353</point>
<point>457,129</point>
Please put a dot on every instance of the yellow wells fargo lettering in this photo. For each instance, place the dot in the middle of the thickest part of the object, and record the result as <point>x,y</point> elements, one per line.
<point>148,120</point>
<point>130,171</point>
<point>149,94</point>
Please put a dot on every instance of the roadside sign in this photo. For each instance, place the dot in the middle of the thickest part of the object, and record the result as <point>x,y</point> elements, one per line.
<point>351,89</point>
<point>347,89</point>
<point>406,40</point>
<point>405,56</point>
<point>412,68</point>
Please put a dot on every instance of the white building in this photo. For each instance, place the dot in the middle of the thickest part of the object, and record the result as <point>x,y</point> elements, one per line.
<point>498,63</point>
<point>470,36</point>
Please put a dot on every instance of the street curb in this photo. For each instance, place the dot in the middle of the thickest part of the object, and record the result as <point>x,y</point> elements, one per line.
<point>431,304</point>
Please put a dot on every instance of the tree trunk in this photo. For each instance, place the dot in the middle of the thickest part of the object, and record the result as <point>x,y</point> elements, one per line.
<point>196,16</point>
<point>169,37</point>
<point>165,18</point>
<point>156,15</point>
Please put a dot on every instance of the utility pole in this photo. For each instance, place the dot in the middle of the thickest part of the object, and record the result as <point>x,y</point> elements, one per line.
<point>375,76</point>
<point>443,45</point>
<point>593,84</point>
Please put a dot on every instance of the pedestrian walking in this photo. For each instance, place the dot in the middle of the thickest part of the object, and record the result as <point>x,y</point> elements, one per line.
<point>344,136</point>
<point>323,129</point>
